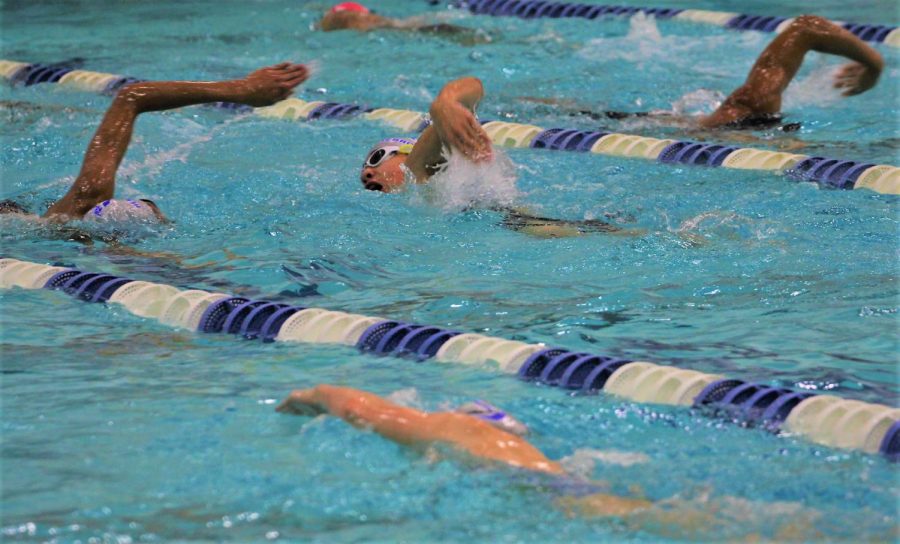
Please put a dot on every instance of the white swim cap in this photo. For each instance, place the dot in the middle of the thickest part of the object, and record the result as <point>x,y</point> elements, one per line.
<point>121,211</point>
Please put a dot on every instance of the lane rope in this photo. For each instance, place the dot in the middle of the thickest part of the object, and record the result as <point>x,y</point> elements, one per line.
<point>823,419</point>
<point>824,171</point>
<point>535,9</point>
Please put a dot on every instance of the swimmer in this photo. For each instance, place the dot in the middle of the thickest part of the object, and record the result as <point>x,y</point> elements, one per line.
<point>454,128</point>
<point>757,103</point>
<point>479,431</point>
<point>92,195</point>
<point>353,16</point>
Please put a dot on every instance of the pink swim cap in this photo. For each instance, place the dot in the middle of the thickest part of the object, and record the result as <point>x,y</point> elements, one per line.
<point>349,6</point>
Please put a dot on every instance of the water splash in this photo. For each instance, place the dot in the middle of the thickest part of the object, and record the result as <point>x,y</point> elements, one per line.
<point>408,397</point>
<point>699,102</point>
<point>816,88</point>
<point>642,42</point>
<point>720,223</point>
<point>463,184</point>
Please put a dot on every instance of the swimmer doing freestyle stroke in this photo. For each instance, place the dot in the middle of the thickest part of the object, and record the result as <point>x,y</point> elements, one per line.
<point>354,16</point>
<point>454,128</point>
<point>92,196</point>
<point>756,104</point>
<point>478,431</point>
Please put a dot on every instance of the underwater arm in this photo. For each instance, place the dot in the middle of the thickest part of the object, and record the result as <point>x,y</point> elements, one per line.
<point>362,409</point>
<point>96,181</point>
<point>522,220</point>
<point>414,427</point>
<point>779,62</point>
<point>453,126</point>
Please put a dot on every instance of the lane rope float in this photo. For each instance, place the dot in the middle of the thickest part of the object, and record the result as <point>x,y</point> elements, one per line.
<point>823,419</point>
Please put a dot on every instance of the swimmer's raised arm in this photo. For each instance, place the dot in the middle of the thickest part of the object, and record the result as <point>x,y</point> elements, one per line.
<point>778,64</point>
<point>453,126</point>
<point>96,181</point>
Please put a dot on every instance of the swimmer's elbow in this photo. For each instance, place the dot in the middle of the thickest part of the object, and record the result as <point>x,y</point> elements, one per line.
<point>465,89</point>
<point>808,21</point>
<point>129,97</point>
<point>808,26</point>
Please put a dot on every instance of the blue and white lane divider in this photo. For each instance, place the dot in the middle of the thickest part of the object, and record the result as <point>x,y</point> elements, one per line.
<point>827,172</point>
<point>823,419</point>
<point>534,9</point>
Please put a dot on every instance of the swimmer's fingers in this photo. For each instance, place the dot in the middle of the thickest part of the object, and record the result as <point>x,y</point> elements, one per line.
<point>300,403</point>
<point>855,78</point>
<point>478,144</point>
<point>483,142</point>
<point>291,70</point>
<point>296,77</point>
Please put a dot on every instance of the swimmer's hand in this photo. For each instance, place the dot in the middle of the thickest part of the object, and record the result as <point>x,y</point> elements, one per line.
<point>856,78</point>
<point>301,402</point>
<point>455,123</point>
<point>272,84</point>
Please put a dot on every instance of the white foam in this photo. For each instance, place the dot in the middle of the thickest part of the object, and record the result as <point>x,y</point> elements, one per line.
<point>462,183</point>
<point>718,223</point>
<point>816,88</point>
<point>642,42</point>
<point>408,397</point>
<point>582,461</point>
<point>699,102</point>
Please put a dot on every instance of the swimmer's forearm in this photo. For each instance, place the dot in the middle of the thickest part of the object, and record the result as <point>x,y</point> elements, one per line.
<point>362,409</point>
<point>467,91</point>
<point>166,95</point>
<point>827,37</point>
<point>262,87</point>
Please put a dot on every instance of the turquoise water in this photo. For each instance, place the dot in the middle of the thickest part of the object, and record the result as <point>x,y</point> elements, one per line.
<point>118,428</point>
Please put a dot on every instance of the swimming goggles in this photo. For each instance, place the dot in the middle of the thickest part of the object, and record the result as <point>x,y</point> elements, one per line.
<point>383,153</point>
<point>495,416</point>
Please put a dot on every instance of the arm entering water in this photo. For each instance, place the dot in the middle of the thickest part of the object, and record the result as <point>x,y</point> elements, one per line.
<point>97,179</point>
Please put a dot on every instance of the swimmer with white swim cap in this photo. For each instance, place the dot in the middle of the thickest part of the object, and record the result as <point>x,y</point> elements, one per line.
<point>92,195</point>
<point>454,128</point>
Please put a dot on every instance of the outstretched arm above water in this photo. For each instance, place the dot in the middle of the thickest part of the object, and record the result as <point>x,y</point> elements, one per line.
<point>761,94</point>
<point>96,181</point>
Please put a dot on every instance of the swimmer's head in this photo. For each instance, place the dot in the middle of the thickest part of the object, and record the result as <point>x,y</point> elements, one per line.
<point>124,211</point>
<point>495,416</point>
<point>349,6</point>
<point>382,170</point>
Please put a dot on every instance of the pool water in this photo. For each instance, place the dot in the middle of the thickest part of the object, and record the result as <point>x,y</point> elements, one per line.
<point>116,428</point>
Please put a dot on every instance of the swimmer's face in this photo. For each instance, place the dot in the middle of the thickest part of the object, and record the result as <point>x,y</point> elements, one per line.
<point>386,177</point>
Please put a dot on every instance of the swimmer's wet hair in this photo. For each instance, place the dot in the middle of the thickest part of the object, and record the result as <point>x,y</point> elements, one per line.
<point>11,206</point>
